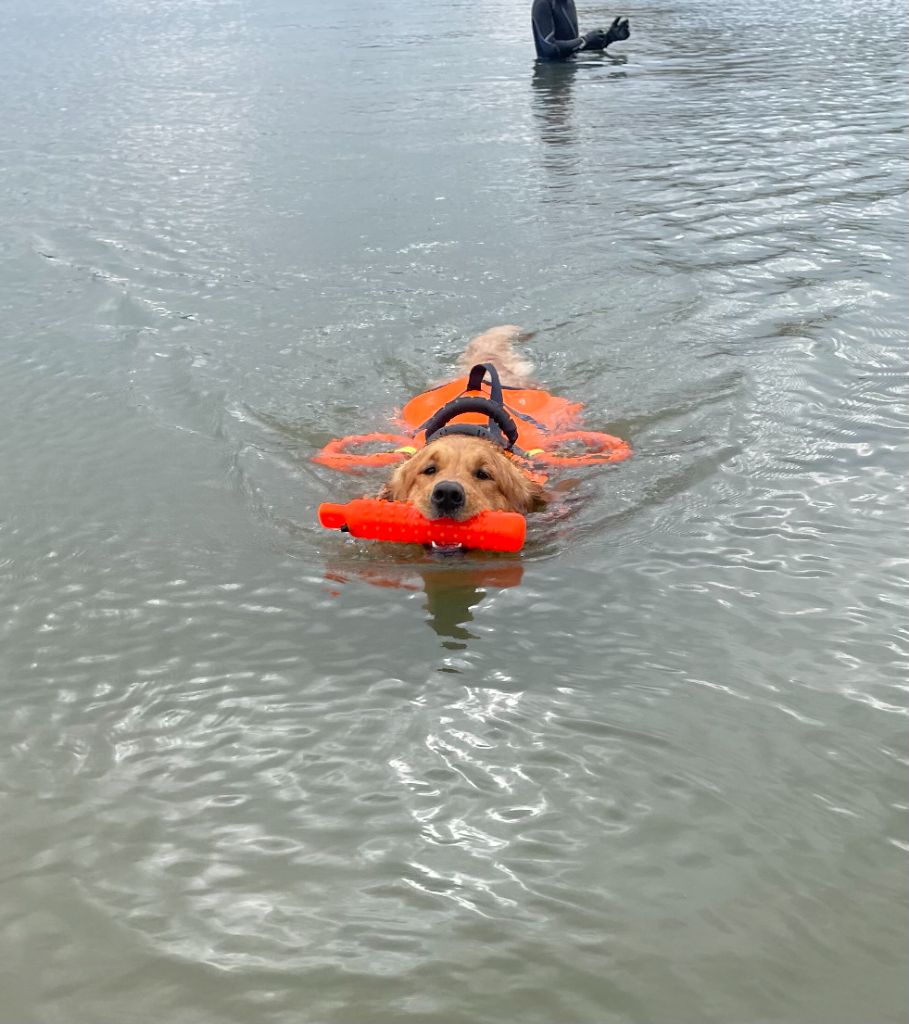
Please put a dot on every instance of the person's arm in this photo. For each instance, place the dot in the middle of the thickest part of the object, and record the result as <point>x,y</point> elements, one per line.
<point>547,45</point>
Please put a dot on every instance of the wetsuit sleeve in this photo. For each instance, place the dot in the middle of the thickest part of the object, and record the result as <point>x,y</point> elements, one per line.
<point>548,47</point>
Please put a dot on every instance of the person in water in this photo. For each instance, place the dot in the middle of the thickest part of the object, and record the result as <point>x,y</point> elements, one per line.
<point>556,35</point>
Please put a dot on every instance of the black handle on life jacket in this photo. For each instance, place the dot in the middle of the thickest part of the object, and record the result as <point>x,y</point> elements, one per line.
<point>472,403</point>
<point>476,376</point>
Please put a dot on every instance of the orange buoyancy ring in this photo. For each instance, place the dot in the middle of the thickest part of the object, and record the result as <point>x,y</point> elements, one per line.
<point>536,413</point>
<point>338,454</point>
<point>599,448</point>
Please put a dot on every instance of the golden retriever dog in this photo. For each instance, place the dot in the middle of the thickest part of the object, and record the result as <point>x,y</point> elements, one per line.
<point>457,476</point>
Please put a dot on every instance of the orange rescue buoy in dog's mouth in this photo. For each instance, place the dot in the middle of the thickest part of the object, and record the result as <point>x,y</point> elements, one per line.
<point>402,523</point>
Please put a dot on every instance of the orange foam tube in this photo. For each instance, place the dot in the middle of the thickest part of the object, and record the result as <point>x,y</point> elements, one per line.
<point>397,521</point>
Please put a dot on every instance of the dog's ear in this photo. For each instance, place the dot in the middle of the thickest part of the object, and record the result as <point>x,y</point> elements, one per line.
<point>397,487</point>
<point>523,494</point>
<point>538,497</point>
<point>534,498</point>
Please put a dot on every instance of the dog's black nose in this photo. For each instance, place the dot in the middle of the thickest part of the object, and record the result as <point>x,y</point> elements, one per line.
<point>448,496</point>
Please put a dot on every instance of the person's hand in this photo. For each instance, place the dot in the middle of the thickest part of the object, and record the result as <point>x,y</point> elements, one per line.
<point>596,40</point>
<point>617,31</point>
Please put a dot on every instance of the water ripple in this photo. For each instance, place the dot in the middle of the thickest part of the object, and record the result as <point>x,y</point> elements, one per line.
<point>250,766</point>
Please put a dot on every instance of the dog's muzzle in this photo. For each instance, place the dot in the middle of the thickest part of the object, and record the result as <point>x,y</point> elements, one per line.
<point>448,498</point>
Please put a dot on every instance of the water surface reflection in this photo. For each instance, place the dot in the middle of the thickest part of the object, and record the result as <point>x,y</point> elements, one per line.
<point>453,585</point>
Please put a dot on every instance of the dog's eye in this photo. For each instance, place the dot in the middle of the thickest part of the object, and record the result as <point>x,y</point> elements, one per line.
<point>481,474</point>
<point>430,469</point>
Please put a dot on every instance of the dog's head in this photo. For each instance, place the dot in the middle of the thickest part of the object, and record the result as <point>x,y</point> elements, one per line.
<point>457,476</point>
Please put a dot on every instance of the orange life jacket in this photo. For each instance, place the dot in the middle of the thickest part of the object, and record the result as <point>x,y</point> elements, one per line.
<point>537,414</point>
<point>540,428</point>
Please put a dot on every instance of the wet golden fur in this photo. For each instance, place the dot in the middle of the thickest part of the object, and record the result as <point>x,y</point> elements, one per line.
<point>489,477</point>
<point>496,346</point>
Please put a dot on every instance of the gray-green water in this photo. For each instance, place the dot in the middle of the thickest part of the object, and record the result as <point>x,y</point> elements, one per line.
<point>655,769</point>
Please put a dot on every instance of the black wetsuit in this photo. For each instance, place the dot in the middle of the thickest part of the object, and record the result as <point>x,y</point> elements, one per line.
<point>555,29</point>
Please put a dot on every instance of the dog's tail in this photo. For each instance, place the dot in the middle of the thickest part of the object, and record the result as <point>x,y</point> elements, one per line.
<point>496,346</point>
